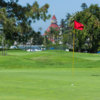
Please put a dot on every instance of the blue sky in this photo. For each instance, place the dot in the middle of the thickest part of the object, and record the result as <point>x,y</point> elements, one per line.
<point>58,7</point>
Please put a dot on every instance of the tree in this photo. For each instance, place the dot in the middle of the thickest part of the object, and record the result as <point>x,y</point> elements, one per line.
<point>38,39</point>
<point>21,18</point>
<point>66,30</point>
<point>10,29</point>
<point>67,18</point>
<point>89,36</point>
<point>53,35</point>
<point>63,25</point>
<point>84,6</point>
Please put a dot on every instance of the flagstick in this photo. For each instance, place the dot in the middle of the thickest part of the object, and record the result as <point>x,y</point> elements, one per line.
<point>73,55</point>
<point>78,26</point>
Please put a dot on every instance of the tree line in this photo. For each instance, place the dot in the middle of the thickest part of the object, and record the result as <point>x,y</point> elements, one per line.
<point>17,19</point>
<point>88,39</point>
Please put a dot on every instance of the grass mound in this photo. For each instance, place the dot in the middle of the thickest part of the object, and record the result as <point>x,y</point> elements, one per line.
<point>48,59</point>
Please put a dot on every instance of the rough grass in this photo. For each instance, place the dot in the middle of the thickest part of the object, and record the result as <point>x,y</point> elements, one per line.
<point>48,59</point>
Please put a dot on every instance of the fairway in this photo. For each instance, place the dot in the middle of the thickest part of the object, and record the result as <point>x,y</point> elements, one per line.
<point>47,75</point>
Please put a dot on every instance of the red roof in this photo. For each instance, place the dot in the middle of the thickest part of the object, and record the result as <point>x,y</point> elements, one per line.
<point>52,40</point>
<point>53,26</point>
<point>54,17</point>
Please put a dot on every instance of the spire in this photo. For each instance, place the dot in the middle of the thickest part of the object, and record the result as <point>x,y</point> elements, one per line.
<point>54,17</point>
<point>54,20</point>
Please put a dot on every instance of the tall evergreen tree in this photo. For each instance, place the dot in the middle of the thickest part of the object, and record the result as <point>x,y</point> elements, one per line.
<point>84,6</point>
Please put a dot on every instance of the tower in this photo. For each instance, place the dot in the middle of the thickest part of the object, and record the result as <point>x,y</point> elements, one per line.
<point>55,26</point>
<point>53,20</point>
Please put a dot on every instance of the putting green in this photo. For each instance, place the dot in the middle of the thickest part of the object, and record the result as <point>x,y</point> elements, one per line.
<point>50,84</point>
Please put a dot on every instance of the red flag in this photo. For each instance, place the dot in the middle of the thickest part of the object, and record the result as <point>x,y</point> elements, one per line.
<point>78,25</point>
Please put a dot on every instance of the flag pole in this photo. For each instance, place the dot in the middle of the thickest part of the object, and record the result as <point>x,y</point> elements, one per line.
<point>73,63</point>
<point>78,26</point>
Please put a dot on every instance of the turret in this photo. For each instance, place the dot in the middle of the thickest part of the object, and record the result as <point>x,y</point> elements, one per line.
<point>53,20</point>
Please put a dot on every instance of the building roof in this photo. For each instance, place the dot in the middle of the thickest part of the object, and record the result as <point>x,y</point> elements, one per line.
<point>54,17</point>
<point>53,25</point>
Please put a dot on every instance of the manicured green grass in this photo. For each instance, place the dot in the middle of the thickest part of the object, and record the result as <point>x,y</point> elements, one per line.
<point>48,75</point>
<point>50,84</point>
